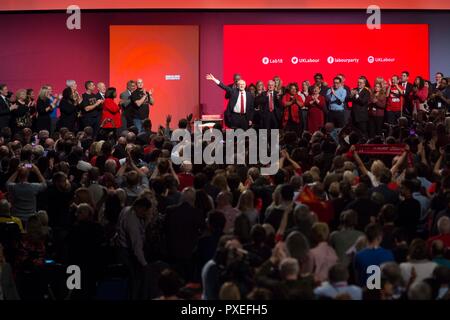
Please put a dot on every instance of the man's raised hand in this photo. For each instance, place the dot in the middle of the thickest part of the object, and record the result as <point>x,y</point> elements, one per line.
<point>209,76</point>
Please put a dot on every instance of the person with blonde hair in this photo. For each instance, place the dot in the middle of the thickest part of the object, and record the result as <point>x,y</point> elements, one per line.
<point>246,205</point>
<point>279,88</point>
<point>323,255</point>
<point>82,195</point>
<point>20,112</point>
<point>349,177</point>
<point>45,106</point>
<point>376,169</point>
<point>229,291</point>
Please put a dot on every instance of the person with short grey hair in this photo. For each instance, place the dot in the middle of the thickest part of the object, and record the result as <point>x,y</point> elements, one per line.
<point>443,227</point>
<point>289,269</point>
<point>71,84</point>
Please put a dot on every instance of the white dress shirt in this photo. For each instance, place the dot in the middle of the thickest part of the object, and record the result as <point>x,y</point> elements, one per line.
<point>237,107</point>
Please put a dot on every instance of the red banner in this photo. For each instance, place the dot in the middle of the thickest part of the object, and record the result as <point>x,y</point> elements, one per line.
<point>391,149</point>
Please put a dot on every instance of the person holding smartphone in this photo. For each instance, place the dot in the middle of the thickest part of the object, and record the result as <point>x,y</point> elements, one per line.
<point>23,193</point>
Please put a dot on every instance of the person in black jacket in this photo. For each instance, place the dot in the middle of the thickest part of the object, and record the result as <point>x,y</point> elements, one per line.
<point>90,107</point>
<point>68,111</point>
<point>260,100</point>
<point>271,108</point>
<point>20,112</point>
<point>84,244</point>
<point>5,112</point>
<point>407,88</point>
<point>234,85</point>
<point>45,106</point>
<point>182,225</point>
<point>240,108</point>
<point>360,107</point>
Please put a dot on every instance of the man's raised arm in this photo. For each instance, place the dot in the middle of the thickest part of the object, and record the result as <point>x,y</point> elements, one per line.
<point>210,77</point>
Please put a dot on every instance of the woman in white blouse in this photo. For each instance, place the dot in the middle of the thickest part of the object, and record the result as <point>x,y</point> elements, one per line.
<point>417,261</point>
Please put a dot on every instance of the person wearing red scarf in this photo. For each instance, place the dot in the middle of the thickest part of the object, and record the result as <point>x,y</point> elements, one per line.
<point>292,103</point>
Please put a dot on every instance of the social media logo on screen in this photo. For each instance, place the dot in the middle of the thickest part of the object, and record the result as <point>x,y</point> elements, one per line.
<point>294,60</point>
<point>330,59</point>
<point>265,60</point>
<point>370,59</point>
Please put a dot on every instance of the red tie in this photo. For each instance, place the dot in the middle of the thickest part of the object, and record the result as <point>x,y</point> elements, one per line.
<point>271,102</point>
<point>242,102</point>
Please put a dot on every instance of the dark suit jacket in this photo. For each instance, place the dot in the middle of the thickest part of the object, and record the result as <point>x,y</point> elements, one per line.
<point>406,100</point>
<point>360,111</point>
<point>68,115</point>
<point>276,104</point>
<point>5,113</point>
<point>100,107</point>
<point>231,86</point>
<point>182,226</point>
<point>127,113</point>
<point>234,96</point>
<point>409,87</point>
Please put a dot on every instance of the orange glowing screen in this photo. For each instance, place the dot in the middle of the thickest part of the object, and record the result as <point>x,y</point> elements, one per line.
<point>166,58</point>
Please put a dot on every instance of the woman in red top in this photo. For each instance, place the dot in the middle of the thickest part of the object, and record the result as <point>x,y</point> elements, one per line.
<point>316,105</point>
<point>394,100</point>
<point>418,96</point>
<point>111,119</point>
<point>292,102</point>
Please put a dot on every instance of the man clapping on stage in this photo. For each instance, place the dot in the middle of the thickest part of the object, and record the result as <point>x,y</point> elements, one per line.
<point>271,108</point>
<point>239,112</point>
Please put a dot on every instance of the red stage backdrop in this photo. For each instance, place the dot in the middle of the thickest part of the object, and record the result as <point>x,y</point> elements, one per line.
<point>167,58</point>
<point>296,52</point>
<point>221,4</point>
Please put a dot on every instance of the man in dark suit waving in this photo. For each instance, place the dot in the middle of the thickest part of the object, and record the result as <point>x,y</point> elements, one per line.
<point>239,112</point>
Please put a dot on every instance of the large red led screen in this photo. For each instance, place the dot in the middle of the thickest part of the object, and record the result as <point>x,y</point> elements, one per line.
<point>296,52</point>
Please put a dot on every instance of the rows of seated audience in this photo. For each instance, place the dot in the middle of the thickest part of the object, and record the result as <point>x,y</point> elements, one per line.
<point>141,227</point>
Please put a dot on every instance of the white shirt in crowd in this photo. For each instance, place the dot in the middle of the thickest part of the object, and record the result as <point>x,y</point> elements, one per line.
<point>424,269</point>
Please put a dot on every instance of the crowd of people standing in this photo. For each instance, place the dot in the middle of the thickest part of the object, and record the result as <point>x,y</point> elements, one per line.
<point>99,190</point>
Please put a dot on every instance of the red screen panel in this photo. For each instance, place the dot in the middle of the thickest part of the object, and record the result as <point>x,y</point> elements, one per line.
<point>166,58</point>
<point>296,52</point>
